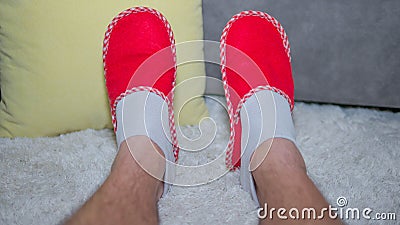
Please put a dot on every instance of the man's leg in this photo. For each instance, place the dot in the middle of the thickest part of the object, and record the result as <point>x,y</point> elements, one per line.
<point>141,107</point>
<point>282,182</point>
<point>130,194</point>
<point>258,82</point>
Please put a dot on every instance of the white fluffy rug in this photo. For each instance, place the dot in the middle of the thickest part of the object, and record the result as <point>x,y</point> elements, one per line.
<point>350,152</point>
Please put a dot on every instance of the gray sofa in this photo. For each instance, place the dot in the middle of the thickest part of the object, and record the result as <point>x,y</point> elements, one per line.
<point>343,52</point>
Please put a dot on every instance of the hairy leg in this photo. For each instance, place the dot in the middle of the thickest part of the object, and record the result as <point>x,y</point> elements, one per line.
<point>282,182</point>
<point>129,195</point>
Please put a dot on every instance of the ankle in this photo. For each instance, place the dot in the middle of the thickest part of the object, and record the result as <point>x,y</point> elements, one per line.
<point>139,159</point>
<point>278,156</point>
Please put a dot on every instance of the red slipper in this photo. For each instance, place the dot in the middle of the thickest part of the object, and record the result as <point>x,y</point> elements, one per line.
<point>255,55</point>
<point>139,55</point>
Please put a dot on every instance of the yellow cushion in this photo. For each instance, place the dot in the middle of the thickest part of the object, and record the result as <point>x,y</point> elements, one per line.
<point>51,73</point>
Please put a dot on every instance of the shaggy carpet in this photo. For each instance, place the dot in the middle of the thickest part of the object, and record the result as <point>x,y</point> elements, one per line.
<point>350,152</point>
